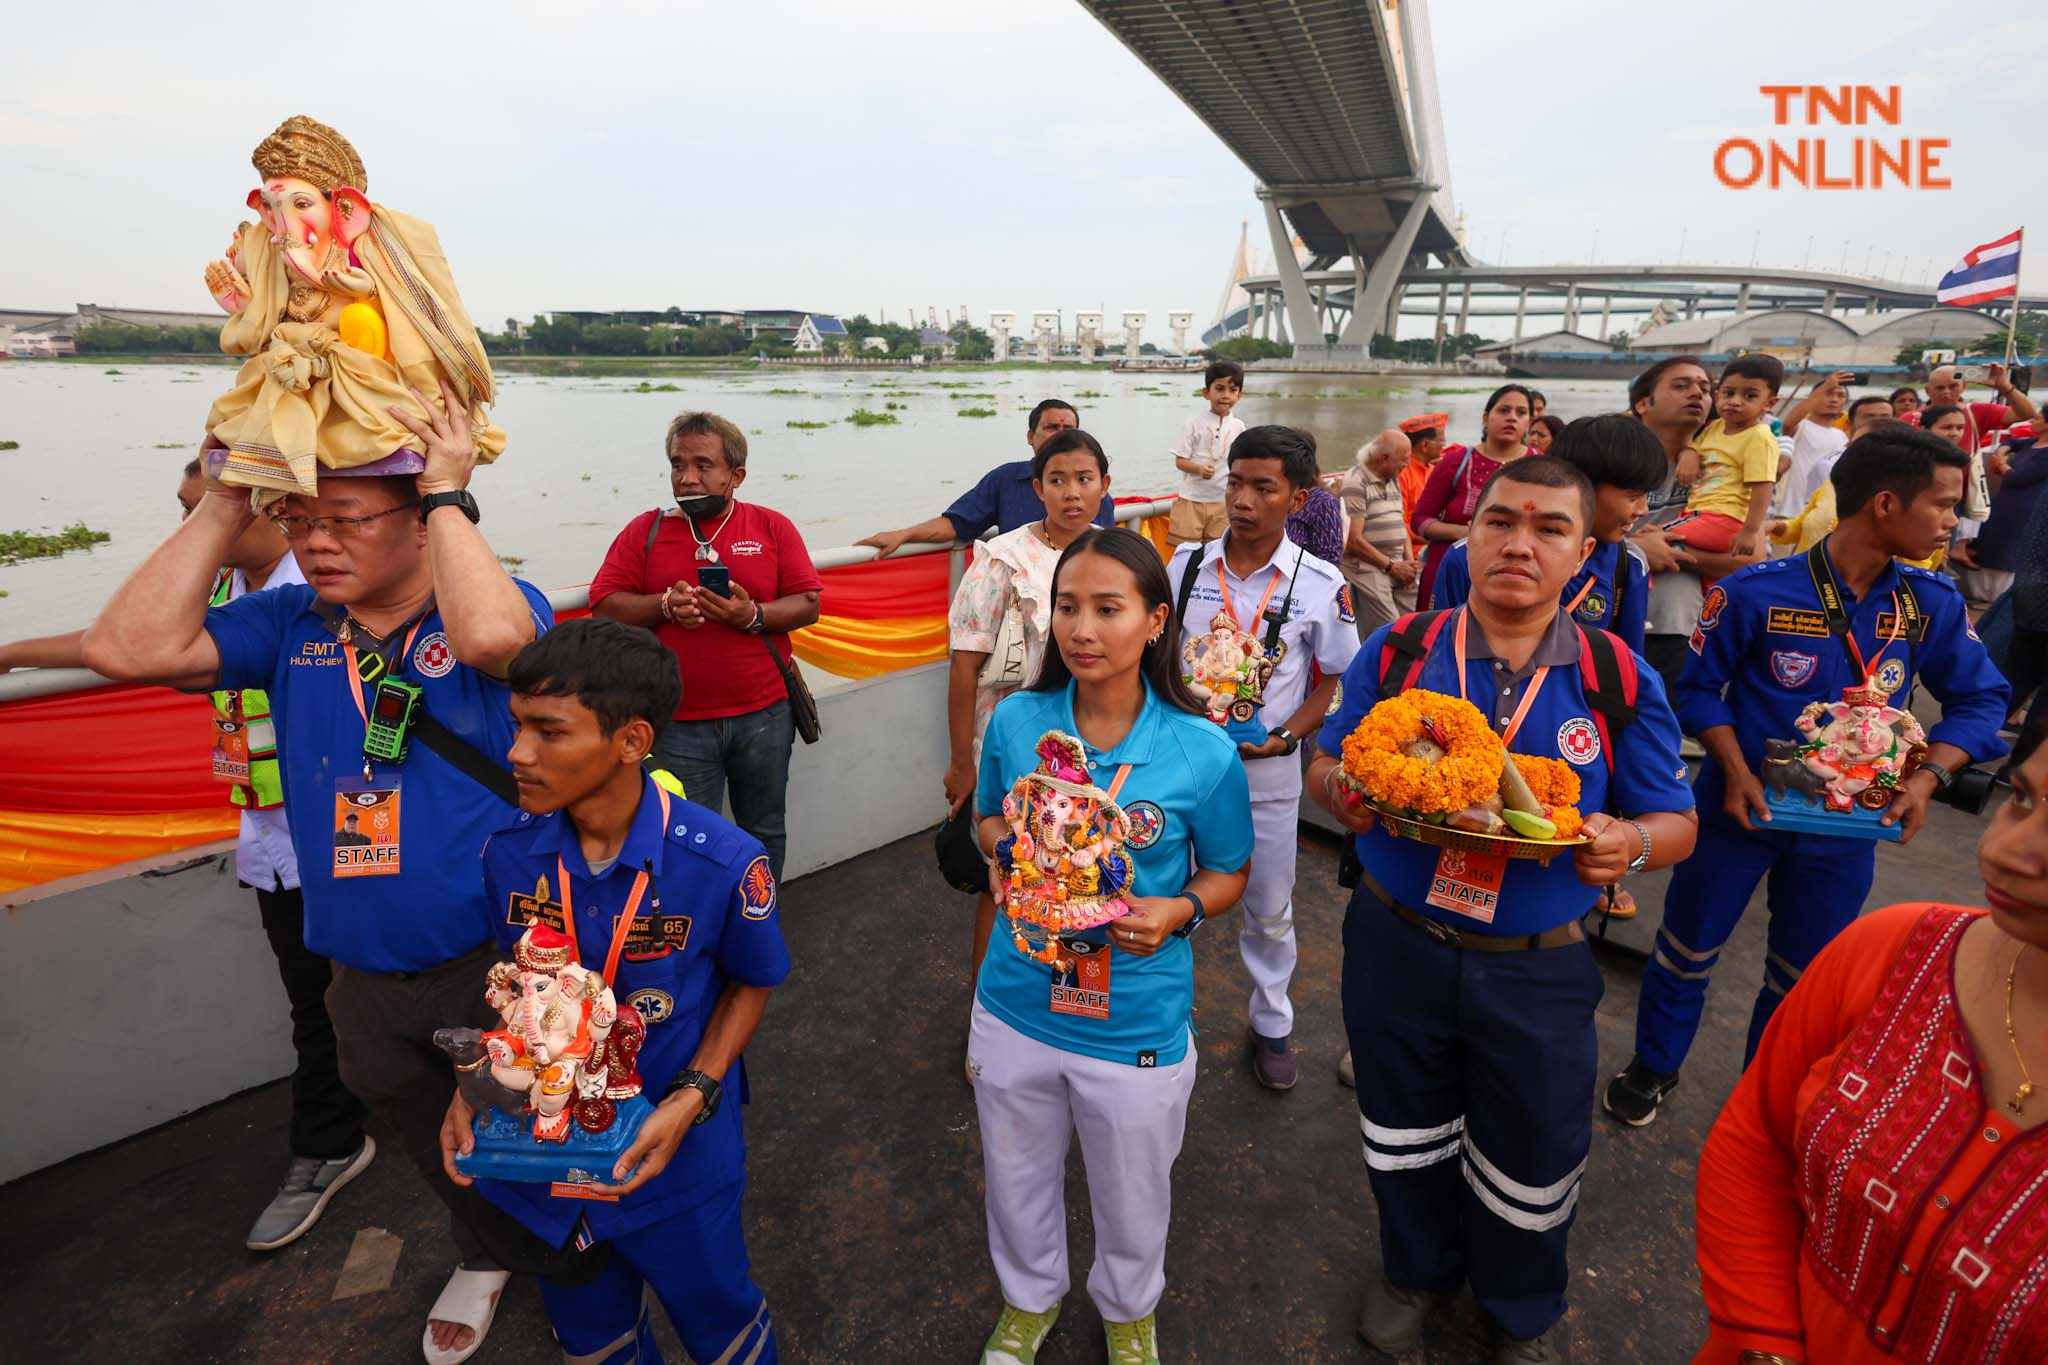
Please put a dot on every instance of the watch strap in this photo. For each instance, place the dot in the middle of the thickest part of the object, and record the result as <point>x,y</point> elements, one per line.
<point>1194,921</point>
<point>1642,859</point>
<point>1944,776</point>
<point>461,497</point>
<point>710,1089</point>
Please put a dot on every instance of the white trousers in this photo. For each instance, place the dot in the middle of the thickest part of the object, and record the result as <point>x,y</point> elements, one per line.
<point>1265,939</point>
<point>1031,1097</point>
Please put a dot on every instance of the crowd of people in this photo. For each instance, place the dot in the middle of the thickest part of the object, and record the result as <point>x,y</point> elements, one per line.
<point>1619,593</point>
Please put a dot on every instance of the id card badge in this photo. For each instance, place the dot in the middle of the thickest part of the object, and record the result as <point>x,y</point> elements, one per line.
<point>1084,990</point>
<point>231,748</point>
<point>366,827</point>
<point>1468,884</point>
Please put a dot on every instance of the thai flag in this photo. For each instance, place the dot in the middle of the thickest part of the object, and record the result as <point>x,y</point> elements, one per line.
<point>1991,271</point>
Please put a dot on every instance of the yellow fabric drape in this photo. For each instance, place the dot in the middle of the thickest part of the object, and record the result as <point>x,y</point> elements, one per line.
<point>305,398</point>
<point>855,648</point>
<point>1154,530</point>
<point>41,846</point>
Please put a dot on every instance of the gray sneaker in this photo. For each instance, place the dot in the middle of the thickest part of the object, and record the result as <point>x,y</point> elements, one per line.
<point>1391,1319</point>
<point>1346,1075</point>
<point>308,1185</point>
<point>1547,1349</point>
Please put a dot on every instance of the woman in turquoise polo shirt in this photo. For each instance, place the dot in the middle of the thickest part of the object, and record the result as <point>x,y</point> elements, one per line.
<point>1117,1066</point>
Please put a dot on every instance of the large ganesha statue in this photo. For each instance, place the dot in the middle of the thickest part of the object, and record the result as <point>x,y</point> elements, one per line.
<point>1859,748</point>
<point>345,308</point>
<point>566,1047</point>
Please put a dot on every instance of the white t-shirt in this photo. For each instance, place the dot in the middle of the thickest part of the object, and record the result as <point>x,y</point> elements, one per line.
<point>1814,449</point>
<point>1206,439</point>
<point>1319,626</point>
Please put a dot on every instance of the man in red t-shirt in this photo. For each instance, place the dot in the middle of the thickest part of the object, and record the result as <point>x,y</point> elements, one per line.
<point>734,729</point>
<point>1945,385</point>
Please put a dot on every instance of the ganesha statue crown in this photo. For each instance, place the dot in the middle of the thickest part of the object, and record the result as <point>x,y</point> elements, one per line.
<point>1063,862</point>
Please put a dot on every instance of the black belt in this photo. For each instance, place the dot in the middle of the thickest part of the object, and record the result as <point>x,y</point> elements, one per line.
<point>1471,940</point>
<point>477,951</point>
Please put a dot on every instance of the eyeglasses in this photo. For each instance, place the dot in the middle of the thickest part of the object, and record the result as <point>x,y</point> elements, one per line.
<point>341,528</point>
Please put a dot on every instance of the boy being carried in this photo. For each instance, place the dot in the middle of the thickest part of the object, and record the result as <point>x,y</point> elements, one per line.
<point>1738,462</point>
<point>1202,455</point>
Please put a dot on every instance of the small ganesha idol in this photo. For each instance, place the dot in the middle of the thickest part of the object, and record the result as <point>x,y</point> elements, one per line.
<point>1846,768</point>
<point>556,1088</point>
<point>1228,670</point>
<point>345,308</point>
<point>1063,858</point>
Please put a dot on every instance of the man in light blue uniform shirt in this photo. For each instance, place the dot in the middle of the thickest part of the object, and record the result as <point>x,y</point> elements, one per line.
<point>1469,988</point>
<point>1279,596</point>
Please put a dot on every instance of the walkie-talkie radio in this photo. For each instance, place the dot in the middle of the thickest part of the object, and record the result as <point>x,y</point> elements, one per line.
<point>392,709</point>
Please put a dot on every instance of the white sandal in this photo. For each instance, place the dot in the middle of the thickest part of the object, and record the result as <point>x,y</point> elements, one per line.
<point>470,1299</point>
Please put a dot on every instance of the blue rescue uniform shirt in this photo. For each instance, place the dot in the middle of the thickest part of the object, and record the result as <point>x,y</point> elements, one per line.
<point>1762,651</point>
<point>1648,774</point>
<point>1597,610</point>
<point>709,916</point>
<point>1190,807</point>
<point>432,910</point>
<point>1005,500</point>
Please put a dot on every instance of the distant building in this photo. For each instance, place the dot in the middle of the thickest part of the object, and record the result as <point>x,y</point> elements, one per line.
<point>648,317</point>
<point>43,334</point>
<point>779,323</point>
<point>875,344</point>
<point>932,339</point>
<point>1550,343</point>
<point>1858,340</point>
<point>814,331</point>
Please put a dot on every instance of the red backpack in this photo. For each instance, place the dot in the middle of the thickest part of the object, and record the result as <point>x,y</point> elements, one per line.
<point>1607,670</point>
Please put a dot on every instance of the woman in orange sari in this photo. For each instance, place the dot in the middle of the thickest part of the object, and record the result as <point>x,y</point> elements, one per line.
<point>1876,1189</point>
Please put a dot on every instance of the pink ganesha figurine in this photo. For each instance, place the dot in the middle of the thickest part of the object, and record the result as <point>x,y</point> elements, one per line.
<point>567,1046</point>
<point>1861,747</point>
<point>344,308</point>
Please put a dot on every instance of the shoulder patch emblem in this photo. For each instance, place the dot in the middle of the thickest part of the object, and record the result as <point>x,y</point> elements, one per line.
<point>1792,668</point>
<point>1891,675</point>
<point>1345,613</point>
<point>432,657</point>
<point>757,889</point>
<point>1594,608</point>
<point>1148,822</point>
<point>1578,741</point>
<point>1711,608</point>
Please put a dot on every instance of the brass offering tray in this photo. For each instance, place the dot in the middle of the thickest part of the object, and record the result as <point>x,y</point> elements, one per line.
<point>1502,845</point>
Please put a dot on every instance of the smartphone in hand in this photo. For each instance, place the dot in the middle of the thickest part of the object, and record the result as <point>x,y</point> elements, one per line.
<point>715,578</point>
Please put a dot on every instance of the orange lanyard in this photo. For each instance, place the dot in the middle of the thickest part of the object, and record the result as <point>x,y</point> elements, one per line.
<point>1118,784</point>
<point>1898,632</point>
<point>1584,588</point>
<point>625,925</point>
<point>1528,693</point>
<point>1223,587</point>
<point>355,682</point>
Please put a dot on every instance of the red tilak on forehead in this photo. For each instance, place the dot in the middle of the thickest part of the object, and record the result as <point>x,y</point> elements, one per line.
<point>1528,507</point>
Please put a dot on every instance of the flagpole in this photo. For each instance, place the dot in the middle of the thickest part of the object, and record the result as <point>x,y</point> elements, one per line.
<point>2012,315</point>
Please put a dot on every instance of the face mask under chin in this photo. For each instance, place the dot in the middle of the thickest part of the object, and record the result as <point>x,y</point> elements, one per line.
<point>702,507</point>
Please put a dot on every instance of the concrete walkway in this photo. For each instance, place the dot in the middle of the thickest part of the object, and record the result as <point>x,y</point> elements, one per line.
<point>865,1176</point>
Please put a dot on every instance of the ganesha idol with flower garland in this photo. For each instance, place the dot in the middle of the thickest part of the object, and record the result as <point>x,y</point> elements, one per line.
<point>556,1087</point>
<point>1063,861</point>
<point>1846,768</point>
<point>346,309</point>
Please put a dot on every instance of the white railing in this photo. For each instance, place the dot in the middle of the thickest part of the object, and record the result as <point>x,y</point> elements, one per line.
<point>56,682</point>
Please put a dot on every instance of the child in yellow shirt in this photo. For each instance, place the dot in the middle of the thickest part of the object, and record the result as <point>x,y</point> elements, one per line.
<point>1738,462</point>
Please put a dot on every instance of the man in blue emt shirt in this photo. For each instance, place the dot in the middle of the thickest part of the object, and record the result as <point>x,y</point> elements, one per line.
<point>1468,986</point>
<point>400,584</point>
<point>1002,501</point>
<point>1769,642</point>
<point>607,856</point>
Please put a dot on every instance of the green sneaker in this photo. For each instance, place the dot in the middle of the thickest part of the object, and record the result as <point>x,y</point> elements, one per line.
<point>1018,1336</point>
<point>1133,1343</point>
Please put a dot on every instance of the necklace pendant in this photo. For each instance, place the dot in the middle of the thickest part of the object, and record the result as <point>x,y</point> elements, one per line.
<point>2018,1101</point>
<point>706,555</point>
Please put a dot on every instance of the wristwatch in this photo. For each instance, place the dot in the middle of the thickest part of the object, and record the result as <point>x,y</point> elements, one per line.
<point>702,1084</point>
<point>459,498</point>
<point>1294,744</point>
<point>1944,777</point>
<point>1641,860</point>
<point>1195,920</point>
<point>759,625</point>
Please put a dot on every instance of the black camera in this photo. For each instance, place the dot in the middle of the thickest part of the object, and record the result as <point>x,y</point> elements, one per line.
<point>1970,792</point>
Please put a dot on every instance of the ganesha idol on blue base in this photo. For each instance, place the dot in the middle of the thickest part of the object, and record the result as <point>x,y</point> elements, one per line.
<point>1846,769</point>
<point>1227,670</point>
<point>556,1088</point>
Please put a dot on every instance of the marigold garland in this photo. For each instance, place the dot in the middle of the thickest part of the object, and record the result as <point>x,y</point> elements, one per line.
<point>1553,783</point>
<point>1468,773</point>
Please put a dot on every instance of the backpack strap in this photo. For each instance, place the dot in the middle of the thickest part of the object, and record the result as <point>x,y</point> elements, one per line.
<point>1187,585</point>
<point>1411,637</point>
<point>1607,674</point>
<point>647,552</point>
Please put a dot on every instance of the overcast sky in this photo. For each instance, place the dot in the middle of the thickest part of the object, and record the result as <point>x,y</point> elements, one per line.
<point>913,153</point>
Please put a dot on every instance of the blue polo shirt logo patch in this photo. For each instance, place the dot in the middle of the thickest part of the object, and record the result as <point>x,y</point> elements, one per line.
<point>654,1006</point>
<point>433,657</point>
<point>1792,668</point>
<point>1148,822</point>
<point>1891,675</point>
<point>757,889</point>
<point>1578,741</point>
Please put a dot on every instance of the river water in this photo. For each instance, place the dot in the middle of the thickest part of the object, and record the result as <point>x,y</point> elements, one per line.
<point>104,443</point>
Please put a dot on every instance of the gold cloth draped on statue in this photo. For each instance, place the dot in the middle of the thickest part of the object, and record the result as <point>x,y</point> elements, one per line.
<point>306,398</point>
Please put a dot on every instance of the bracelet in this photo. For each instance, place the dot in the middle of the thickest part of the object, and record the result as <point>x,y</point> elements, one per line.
<point>667,613</point>
<point>1329,786</point>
